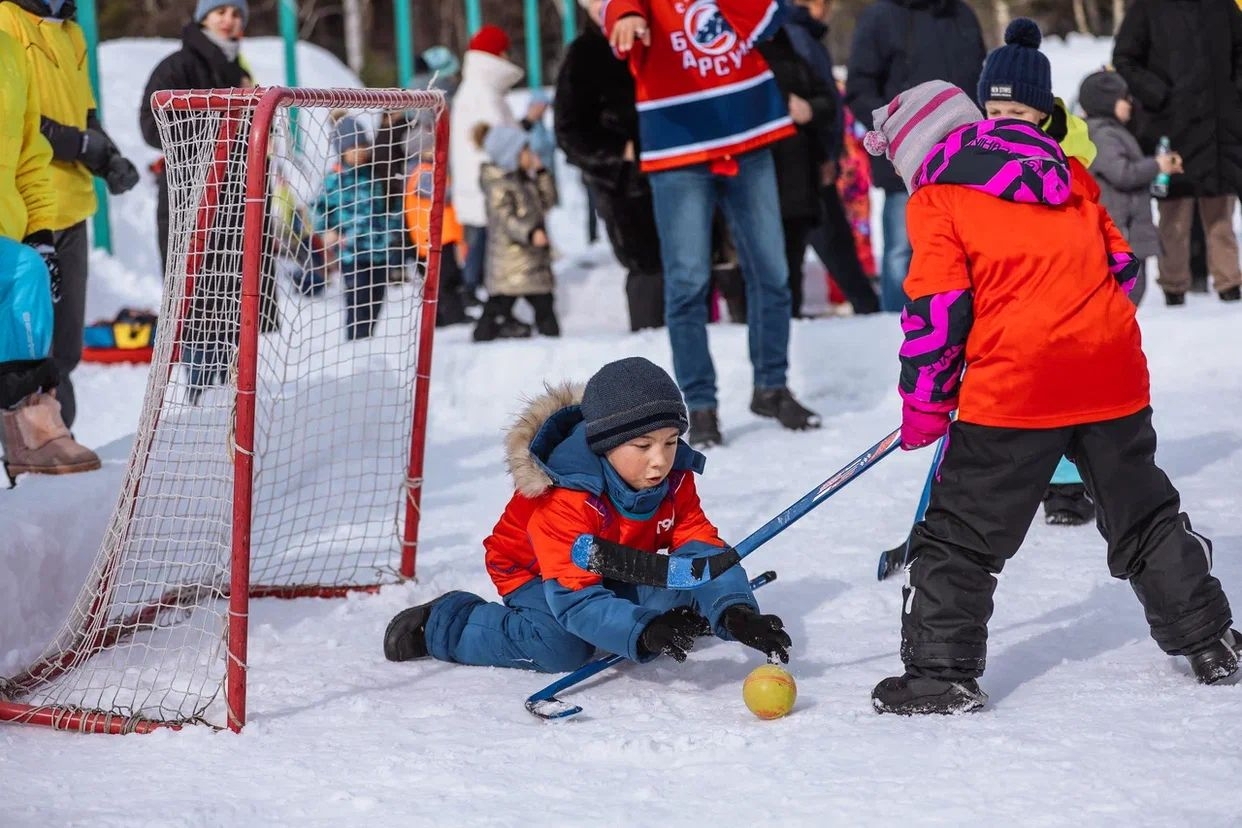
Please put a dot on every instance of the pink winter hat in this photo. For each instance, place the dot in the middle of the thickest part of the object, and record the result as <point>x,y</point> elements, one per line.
<point>909,128</point>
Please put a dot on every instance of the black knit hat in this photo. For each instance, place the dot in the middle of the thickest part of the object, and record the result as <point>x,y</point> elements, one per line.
<point>1018,71</point>
<point>628,398</point>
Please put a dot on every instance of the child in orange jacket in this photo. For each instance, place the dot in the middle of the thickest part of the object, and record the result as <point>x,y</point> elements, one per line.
<point>1018,276</point>
<point>605,460</point>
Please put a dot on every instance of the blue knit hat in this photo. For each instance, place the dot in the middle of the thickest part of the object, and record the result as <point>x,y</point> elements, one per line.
<point>349,133</point>
<point>503,145</point>
<point>206,7</point>
<point>628,398</point>
<point>1018,71</point>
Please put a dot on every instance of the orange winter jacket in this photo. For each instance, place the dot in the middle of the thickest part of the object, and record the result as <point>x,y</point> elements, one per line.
<point>418,213</point>
<point>533,537</point>
<point>1053,341</point>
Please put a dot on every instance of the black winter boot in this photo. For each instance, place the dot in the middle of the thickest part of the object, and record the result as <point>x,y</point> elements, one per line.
<point>907,695</point>
<point>780,403</point>
<point>405,639</point>
<point>1068,504</point>
<point>1232,294</point>
<point>1174,298</point>
<point>704,429</point>
<point>1217,662</point>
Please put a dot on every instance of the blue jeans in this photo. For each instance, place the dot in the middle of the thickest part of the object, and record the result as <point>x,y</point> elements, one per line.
<point>472,274</point>
<point>685,200</point>
<point>895,263</point>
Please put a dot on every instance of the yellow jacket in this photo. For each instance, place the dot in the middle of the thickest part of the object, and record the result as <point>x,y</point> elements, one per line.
<point>27,201</point>
<point>56,51</point>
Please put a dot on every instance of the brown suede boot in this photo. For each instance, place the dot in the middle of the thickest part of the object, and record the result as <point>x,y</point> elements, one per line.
<point>36,440</point>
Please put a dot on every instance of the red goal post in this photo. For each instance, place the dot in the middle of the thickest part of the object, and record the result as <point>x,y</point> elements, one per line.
<point>281,446</point>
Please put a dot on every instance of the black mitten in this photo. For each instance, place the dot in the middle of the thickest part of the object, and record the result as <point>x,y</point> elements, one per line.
<point>672,633</point>
<point>96,151</point>
<point>766,633</point>
<point>121,175</point>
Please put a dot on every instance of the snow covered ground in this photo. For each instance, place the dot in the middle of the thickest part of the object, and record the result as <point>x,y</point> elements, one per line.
<point>1088,724</point>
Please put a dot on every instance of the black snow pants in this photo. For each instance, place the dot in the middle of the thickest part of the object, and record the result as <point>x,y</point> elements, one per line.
<point>988,489</point>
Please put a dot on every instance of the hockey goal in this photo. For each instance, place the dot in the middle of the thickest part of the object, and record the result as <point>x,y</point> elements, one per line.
<point>280,447</point>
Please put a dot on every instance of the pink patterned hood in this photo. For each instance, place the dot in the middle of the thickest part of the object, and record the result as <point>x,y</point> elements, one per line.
<point>1005,158</point>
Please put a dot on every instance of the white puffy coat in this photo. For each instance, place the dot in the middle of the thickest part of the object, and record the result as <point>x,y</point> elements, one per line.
<point>485,78</point>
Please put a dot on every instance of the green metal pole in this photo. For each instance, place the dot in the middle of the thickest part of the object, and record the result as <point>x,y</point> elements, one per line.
<point>405,42</point>
<point>90,28</point>
<point>569,21</point>
<point>534,44</point>
<point>474,17</point>
<point>289,32</point>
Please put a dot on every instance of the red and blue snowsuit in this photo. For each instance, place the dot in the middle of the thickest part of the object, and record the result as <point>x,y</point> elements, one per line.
<point>554,615</point>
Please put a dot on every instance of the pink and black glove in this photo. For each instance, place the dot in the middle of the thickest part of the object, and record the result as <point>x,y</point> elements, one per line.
<point>923,423</point>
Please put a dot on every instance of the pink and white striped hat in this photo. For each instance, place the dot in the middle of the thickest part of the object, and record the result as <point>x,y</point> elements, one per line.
<point>915,121</point>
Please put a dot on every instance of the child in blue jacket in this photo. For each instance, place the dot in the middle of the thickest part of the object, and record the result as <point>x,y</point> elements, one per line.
<point>353,218</point>
<point>605,460</point>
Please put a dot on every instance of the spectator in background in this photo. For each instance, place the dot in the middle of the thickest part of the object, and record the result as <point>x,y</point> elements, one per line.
<point>800,158</point>
<point>1183,62</point>
<point>708,112</point>
<point>597,127</point>
<point>209,58</point>
<point>33,434</point>
<point>442,68</point>
<point>519,192</point>
<point>56,51</point>
<point>832,238</point>
<point>897,45</point>
<point>352,216</point>
<point>1120,168</point>
<point>486,76</point>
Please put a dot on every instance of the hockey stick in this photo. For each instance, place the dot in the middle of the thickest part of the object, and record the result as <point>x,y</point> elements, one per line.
<point>896,558</point>
<point>623,563</point>
<point>545,705</point>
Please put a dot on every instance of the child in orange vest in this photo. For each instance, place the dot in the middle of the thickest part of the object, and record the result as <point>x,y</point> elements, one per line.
<point>1055,365</point>
<point>605,460</point>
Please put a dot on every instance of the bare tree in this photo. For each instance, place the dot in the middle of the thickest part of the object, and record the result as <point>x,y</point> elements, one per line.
<point>355,48</point>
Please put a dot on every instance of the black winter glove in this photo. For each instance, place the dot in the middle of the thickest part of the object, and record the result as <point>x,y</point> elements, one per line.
<point>672,633</point>
<point>96,151</point>
<point>121,175</point>
<point>44,243</point>
<point>766,633</point>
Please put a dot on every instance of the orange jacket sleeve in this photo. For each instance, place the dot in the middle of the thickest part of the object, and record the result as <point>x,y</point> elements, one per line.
<point>939,261</point>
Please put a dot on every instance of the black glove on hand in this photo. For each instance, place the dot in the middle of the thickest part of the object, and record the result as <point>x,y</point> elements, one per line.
<point>121,175</point>
<point>766,633</point>
<point>672,633</point>
<point>96,151</point>
<point>44,243</point>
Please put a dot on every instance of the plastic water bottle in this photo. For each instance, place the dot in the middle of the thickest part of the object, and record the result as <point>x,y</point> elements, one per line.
<point>1160,186</point>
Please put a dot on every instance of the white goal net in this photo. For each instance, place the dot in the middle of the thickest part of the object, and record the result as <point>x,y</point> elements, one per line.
<point>280,446</point>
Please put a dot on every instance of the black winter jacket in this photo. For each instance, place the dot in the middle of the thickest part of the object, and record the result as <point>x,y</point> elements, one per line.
<point>1182,60</point>
<point>899,44</point>
<point>198,64</point>
<point>594,114</point>
<point>799,156</point>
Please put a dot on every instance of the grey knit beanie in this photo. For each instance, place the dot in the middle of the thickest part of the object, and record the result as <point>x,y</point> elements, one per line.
<point>628,398</point>
<point>909,128</point>
<point>205,7</point>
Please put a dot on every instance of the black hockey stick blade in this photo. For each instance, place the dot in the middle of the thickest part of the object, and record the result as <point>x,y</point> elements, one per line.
<point>634,566</point>
<point>891,561</point>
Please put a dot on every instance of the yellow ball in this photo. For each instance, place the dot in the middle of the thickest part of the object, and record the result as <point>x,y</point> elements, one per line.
<point>769,692</point>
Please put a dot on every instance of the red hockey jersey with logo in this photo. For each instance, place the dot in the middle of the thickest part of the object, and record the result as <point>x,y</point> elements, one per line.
<point>703,91</point>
